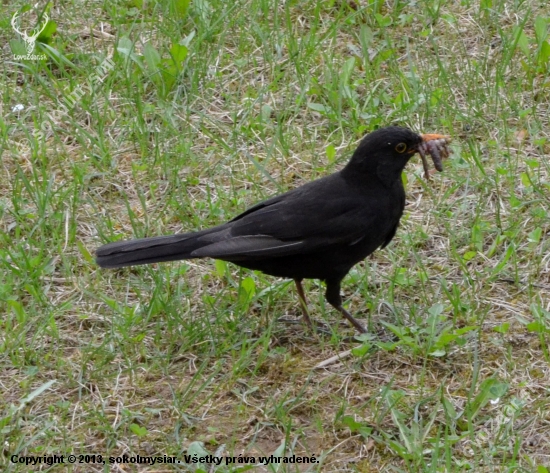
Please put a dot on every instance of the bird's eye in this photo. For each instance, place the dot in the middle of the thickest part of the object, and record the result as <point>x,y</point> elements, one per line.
<point>401,148</point>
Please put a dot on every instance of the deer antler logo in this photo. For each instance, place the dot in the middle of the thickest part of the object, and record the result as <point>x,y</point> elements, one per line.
<point>30,38</point>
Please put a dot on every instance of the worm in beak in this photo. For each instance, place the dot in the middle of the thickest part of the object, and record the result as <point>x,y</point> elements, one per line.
<point>437,147</point>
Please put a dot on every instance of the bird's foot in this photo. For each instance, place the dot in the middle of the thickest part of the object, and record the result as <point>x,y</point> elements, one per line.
<point>352,320</point>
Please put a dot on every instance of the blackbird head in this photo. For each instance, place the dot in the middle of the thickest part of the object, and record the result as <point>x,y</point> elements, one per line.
<point>385,153</point>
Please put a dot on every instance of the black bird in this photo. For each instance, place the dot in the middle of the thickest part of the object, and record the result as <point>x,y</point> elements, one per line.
<point>316,231</point>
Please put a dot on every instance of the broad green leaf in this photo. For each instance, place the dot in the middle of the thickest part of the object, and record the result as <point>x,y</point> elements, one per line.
<point>522,41</point>
<point>534,236</point>
<point>503,328</point>
<point>179,53</point>
<point>331,153</point>
<point>139,431</point>
<point>318,107</point>
<point>221,267</point>
<point>541,29</point>
<point>544,54</point>
<point>181,7</point>
<point>46,35</point>
<point>469,255</point>
<point>152,57</point>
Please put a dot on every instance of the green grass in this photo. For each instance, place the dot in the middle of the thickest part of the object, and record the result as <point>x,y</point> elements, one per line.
<point>208,109</point>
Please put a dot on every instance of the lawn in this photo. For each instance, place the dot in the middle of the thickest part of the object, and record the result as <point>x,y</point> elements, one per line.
<point>139,118</point>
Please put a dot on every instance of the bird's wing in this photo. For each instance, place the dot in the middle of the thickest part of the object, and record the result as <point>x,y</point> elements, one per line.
<point>300,221</point>
<point>260,246</point>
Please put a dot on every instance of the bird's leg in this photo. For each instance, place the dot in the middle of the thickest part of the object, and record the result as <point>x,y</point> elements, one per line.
<point>335,300</point>
<point>303,302</point>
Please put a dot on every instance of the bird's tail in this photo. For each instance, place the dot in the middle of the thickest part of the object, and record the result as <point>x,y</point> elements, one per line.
<point>149,250</point>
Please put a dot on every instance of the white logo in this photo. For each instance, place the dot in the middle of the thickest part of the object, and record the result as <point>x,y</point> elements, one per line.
<point>29,38</point>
